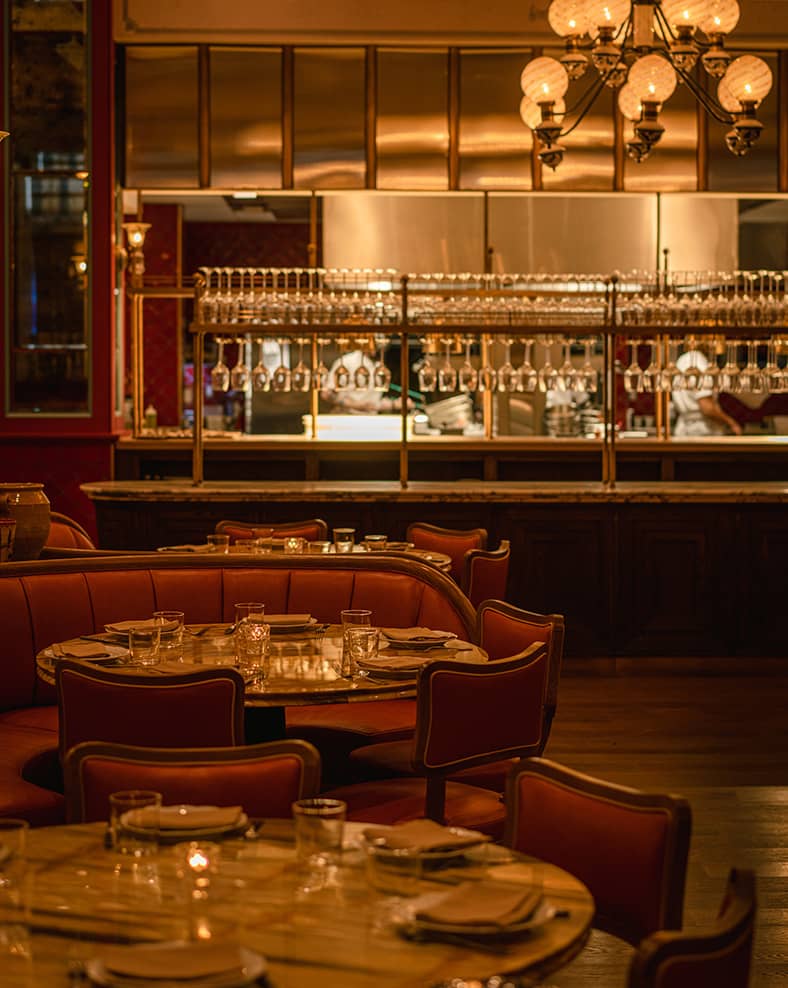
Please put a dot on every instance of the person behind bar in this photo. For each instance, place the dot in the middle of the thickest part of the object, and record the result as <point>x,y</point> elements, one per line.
<point>354,399</point>
<point>698,413</point>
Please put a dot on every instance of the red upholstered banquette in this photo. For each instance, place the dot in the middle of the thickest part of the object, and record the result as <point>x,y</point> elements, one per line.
<point>45,601</point>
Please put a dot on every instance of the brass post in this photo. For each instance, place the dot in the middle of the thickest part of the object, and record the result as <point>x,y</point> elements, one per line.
<point>197,445</point>
<point>404,371</point>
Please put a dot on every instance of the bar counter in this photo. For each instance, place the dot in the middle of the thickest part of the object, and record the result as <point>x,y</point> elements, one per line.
<point>660,569</point>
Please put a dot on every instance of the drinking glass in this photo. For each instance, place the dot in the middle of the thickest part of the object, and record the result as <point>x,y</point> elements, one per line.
<point>507,376</point>
<point>134,821</point>
<point>447,375</point>
<point>344,539</point>
<point>381,375</point>
<point>219,543</point>
<point>261,379</point>
<point>428,378</point>
<point>320,376</point>
<point>374,543</point>
<point>588,373</point>
<point>528,379</point>
<point>633,375</point>
<point>342,376</point>
<point>319,829</point>
<point>301,376</point>
<point>252,637</point>
<point>294,544</point>
<point>360,643</point>
<point>729,373</point>
<point>280,379</point>
<point>362,375</point>
<point>547,375</point>
<point>393,870</point>
<point>220,372</point>
<point>144,644</point>
<point>467,376</point>
<point>239,375</point>
<point>171,630</point>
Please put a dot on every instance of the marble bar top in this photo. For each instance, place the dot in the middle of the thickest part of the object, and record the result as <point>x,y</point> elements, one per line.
<point>433,491</point>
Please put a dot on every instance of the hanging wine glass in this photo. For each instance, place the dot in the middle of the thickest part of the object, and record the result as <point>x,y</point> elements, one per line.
<point>239,375</point>
<point>467,376</point>
<point>633,376</point>
<point>710,378</point>
<point>507,376</point>
<point>488,376</point>
<point>220,372</point>
<point>528,379</point>
<point>301,376</point>
<point>280,379</point>
<point>342,375</point>
<point>362,375</point>
<point>772,378</point>
<point>649,378</point>
<point>428,377</point>
<point>548,375</point>
<point>260,377</point>
<point>588,375</point>
<point>381,375</point>
<point>447,375</point>
<point>208,307</point>
<point>670,377</point>
<point>320,374</point>
<point>750,377</point>
<point>566,371</point>
<point>729,374</point>
<point>691,376</point>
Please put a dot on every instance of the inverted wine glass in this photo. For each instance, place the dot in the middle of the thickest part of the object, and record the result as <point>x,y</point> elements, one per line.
<point>220,372</point>
<point>261,379</point>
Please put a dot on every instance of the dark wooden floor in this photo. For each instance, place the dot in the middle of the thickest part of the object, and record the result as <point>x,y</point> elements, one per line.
<point>721,741</point>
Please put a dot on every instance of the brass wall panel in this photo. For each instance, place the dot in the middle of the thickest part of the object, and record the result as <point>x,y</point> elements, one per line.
<point>406,232</point>
<point>412,120</point>
<point>589,159</point>
<point>329,150</point>
<point>757,170</point>
<point>246,117</point>
<point>672,165</point>
<point>495,145</point>
<point>161,117</point>
<point>552,234</point>
<point>700,232</point>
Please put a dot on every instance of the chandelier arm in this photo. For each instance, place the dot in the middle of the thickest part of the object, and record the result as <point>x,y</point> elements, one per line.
<point>596,89</point>
<point>707,101</point>
<point>590,94</point>
<point>664,25</point>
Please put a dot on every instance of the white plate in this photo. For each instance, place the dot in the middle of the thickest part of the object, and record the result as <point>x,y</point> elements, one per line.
<point>167,834</point>
<point>290,629</point>
<point>115,652</point>
<point>253,965</point>
<point>417,643</point>
<point>437,855</point>
<point>543,913</point>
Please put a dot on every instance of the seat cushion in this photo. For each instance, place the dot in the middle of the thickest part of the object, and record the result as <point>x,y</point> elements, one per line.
<point>397,800</point>
<point>28,760</point>
<point>393,758</point>
<point>38,718</point>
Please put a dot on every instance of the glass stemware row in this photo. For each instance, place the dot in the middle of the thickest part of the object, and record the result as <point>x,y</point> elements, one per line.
<point>720,370</point>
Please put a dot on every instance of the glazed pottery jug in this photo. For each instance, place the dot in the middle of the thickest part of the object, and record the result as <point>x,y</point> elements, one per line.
<point>28,505</point>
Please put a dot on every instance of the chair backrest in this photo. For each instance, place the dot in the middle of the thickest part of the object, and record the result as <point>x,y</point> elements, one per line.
<point>65,533</point>
<point>720,957</point>
<point>453,541</point>
<point>503,629</point>
<point>500,703</point>
<point>264,779</point>
<point>311,529</point>
<point>486,573</point>
<point>189,710</point>
<point>629,847</point>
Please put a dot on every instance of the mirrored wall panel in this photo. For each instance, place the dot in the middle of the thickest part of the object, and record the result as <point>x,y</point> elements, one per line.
<point>412,136</point>
<point>673,164</point>
<point>494,143</point>
<point>246,117</point>
<point>161,117</point>
<point>329,118</point>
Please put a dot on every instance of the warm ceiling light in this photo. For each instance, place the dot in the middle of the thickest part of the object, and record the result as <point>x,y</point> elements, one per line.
<point>652,45</point>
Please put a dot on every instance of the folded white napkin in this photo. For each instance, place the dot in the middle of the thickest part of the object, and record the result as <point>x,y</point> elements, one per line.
<point>184,817</point>
<point>416,634</point>
<point>284,620</point>
<point>424,835</point>
<point>484,903</point>
<point>123,627</point>
<point>187,960</point>
<point>402,663</point>
<point>80,650</point>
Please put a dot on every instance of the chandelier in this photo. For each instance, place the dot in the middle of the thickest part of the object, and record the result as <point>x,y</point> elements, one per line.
<point>643,48</point>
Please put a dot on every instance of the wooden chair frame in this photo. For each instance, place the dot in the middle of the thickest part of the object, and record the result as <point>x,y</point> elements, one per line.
<point>288,527</point>
<point>677,811</point>
<point>70,523</point>
<point>137,755</point>
<point>650,966</point>
<point>503,551</point>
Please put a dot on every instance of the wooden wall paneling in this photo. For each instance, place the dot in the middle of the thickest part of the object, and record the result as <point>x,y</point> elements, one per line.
<point>760,609</point>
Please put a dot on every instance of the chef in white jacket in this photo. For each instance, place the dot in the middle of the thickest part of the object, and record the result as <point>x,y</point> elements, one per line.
<point>698,413</point>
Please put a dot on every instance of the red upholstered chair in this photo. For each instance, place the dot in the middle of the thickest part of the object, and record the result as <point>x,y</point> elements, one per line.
<point>454,542</point>
<point>192,709</point>
<point>720,957</point>
<point>629,848</point>
<point>466,714</point>
<point>264,778</point>
<point>65,533</point>
<point>312,529</point>
<point>486,573</point>
<point>503,630</point>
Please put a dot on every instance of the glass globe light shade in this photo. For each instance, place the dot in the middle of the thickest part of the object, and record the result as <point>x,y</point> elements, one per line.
<point>606,13</point>
<point>531,113</point>
<point>567,18</point>
<point>544,79</point>
<point>629,103</point>
<point>652,78</point>
<point>748,78</point>
<point>726,98</point>
<point>685,13</point>
<point>721,18</point>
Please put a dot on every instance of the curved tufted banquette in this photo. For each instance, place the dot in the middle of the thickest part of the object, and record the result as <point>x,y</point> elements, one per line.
<point>44,601</point>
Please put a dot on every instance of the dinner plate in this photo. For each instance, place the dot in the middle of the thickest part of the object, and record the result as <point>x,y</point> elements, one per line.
<point>115,652</point>
<point>438,855</point>
<point>417,644</point>
<point>292,629</point>
<point>252,966</point>
<point>173,835</point>
<point>543,913</point>
<point>122,628</point>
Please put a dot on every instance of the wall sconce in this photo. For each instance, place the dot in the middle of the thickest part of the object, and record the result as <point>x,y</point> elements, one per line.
<point>135,239</point>
<point>79,263</point>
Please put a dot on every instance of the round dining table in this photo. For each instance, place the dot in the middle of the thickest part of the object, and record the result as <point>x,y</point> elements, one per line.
<point>307,926</point>
<point>303,668</point>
